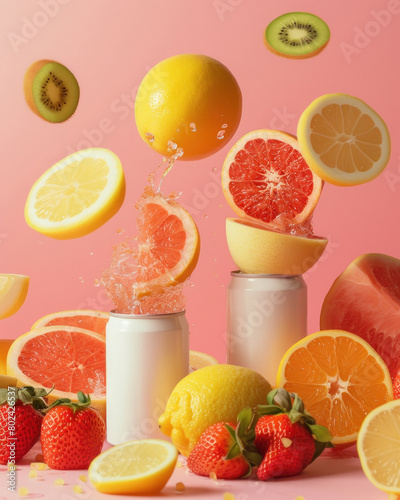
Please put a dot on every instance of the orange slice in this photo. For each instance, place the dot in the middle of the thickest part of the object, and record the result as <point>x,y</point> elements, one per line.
<point>73,359</point>
<point>265,178</point>
<point>343,140</point>
<point>340,378</point>
<point>87,319</point>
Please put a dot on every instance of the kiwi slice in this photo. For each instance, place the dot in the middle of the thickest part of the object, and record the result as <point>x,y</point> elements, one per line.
<point>51,90</point>
<point>297,35</point>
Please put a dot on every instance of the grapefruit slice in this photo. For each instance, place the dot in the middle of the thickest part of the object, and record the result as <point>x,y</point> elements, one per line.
<point>95,321</point>
<point>73,359</point>
<point>365,300</point>
<point>265,178</point>
<point>343,139</point>
<point>339,377</point>
<point>13,292</point>
<point>257,249</point>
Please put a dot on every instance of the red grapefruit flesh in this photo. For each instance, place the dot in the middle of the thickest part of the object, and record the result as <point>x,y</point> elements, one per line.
<point>94,321</point>
<point>365,300</point>
<point>265,178</point>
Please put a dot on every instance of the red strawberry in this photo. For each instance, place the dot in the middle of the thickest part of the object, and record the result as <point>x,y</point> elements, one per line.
<point>226,450</point>
<point>20,421</point>
<point>287,436</point>
<point>72,434</point>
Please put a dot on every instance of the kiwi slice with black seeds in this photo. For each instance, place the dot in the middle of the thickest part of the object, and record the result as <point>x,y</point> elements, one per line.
<point>297,35</point>
<point>51,90</point>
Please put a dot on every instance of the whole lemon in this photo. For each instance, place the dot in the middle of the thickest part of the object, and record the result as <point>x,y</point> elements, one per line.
<point>188,102</point>
<point>215,393</point>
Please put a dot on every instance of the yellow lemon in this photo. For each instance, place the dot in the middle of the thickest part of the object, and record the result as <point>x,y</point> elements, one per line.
<point>215,393</point>
<point>76,195</point>
<point>190,103</point>
<point>199,359</point>
<point>134,468</point>
<point>13,292</point>
<point>257,249</point>
<point>4,347</point>
<point>378,446</point>
<point>343,140</point>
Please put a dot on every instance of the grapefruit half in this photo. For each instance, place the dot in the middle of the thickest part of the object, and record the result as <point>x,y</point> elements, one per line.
<point>365,300</point>
<point>265,178</point>
<point>95,321</point>
<point>73,359</point>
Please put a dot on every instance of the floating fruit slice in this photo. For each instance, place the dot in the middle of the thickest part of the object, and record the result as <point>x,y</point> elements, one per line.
<point>134,468</point>
<point>13,292</point>
<point>378,447</point>
<point>297,35</point>
<point>73,359</point>
<point>343,140</point>
<point>265,178</point>
<point>95,321</point>
<point>365,300</point>
<point>4,348</point>
<point>76,195</point>
<point>51,90</point>
<point>199,359</point>
<point>257,249</point>
<point>188,104</point>
<point>339,377</point>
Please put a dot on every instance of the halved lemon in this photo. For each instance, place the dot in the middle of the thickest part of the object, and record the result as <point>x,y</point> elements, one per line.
<point>76,195</point>
<point>343,140</point>
<point>378,447</point>
<point>13,292</point>
<point>134,467</point>
<point>199,359</point>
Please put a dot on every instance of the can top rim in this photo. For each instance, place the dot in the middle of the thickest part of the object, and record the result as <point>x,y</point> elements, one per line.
<point>239,274</point>
<point>114,314</point>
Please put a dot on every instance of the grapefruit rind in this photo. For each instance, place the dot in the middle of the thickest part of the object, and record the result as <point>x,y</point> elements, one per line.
<point>13,370</point>
<point>377,423</point>
<point>266,134</point>
<point>335,175</point>
<point>260,250</point>
<point>50,318</point>
<point>342,441</point>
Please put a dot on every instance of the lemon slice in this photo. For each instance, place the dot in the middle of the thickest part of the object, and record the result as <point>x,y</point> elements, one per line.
<point>343,140</point>
<point>76,195</point>
<point>378,446</point>
<point>134,467</point>
<point>199,359</point>
<point>13,292</point>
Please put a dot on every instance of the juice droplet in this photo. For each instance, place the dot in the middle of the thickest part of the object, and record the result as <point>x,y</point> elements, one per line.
<point>214,169</point>
<point>149,137</point>
<point>225,125</point>
<point>192,127</point>
<point>221,134</point>
<point>120,230</point>
<point>82,280</point>
<point>171,145</point>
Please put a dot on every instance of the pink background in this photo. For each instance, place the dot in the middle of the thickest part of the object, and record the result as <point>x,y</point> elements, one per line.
<point>109,46</point>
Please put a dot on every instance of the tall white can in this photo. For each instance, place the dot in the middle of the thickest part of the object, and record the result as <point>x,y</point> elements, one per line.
<point>267,314</point>
<point>146,356</point>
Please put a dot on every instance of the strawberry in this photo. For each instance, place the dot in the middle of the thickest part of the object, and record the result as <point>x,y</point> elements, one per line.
<point>72,434</point>
<point>226,450</point>
<point>20,421</point>
<point>287,436</point>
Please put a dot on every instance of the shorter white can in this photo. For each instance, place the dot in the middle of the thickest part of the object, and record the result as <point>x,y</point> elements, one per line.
<point>267,314</point>
<point>146,356</point>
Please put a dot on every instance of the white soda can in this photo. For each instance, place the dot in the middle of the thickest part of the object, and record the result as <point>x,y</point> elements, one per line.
<point>146,356</point>
<point>267,314</point>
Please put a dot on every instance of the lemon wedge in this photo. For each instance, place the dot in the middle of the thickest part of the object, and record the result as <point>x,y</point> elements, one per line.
<point>199,359</point>
<point>134,467</point>
<point>77,195</point>
<point>13,292</point>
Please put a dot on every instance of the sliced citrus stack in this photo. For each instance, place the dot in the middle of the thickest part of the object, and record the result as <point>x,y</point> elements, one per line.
<point>265,178</point>
<point>257,249</point>
<point>76,195</point>
<point>13,292</point>
<point>87,319</point>
<point>73,359</point>
<point>199,359</point>
<point>134,468</point>
<point>378,446</point>
<point>168,244</point>
<point>339,377</point>
<point>343,140</point>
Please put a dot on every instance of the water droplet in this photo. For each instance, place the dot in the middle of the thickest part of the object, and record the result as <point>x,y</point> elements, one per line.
<point>205,216</point>
<point>214,169</point>
<point>214,259</point>
<point>96,282</point>
<point>150,137</point>
<point>221,134</point>
<point>120,230</point>
<point>221,284</point>
<point>171,145</point>
<point>82,280</point>
<point>225,125</point>
<point>192,127</point>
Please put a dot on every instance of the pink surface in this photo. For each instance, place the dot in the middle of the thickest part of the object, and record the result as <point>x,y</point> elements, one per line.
<point>110,46</point>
